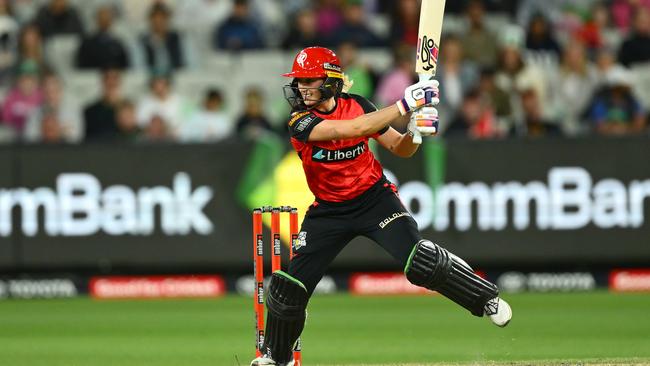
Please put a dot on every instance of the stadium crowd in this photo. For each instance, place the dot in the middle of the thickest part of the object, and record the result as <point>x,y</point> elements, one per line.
<point>507,68</point>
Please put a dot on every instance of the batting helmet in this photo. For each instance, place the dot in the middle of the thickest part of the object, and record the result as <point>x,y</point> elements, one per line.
<point>314,63</point>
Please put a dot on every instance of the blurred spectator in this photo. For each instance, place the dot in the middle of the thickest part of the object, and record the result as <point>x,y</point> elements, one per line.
<point>355,71</point>
<point>239,31</point>
<point>100,117</point>
<point>564,14</point>
<point>292,7</point>
<point>210,123</point>
<point>623,11</point>
<point>200,15</point>
<point>354,28</point>
<point>161,102</point>
<point>540,36</point>
<point>605,63</point>
<point>475,120</point>
<point>102,49</point>
<point>455,75</point>
<point>329,16</point>
<point>24,11</point>
<point>636,48</point>
<point>576,84</point>
<point>535,124</point>
<point>156,130</point>
<point>614,110</point>
<point>25,97</point>
<point>391,86</point>
<point>127,123</point>
<point>594,32</point>
<point>498,99</point>
<point>66,113</point>
<point>405,18</point>
<point>252,124</point>
<point>30,48</point>
<point>479,43</point>
<point>303,32</point>
<point>58,17</point>
<point>514,76</point>
<point>8,36</point>
<point>50,129</point>
<point>163,48</point>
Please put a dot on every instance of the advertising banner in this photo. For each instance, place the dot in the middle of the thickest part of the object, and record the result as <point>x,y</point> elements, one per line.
<point>532,202</point>
<point>7,240</point>
<point>171,208</point>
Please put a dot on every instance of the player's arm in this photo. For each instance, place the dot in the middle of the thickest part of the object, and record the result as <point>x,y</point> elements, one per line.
<point>364,125</point>
<point>423,122</point>
<point>399,144</point>
<point>376,121</point>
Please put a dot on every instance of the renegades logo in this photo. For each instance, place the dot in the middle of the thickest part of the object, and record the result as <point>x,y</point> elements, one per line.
<point>323,155</point>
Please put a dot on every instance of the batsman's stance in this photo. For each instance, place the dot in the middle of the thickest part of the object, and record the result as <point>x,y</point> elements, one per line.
<point>330,130</point>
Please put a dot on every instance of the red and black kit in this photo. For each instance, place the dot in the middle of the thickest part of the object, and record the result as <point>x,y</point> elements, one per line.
<point>352,195</point>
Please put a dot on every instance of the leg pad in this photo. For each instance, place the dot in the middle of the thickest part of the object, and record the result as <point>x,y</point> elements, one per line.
<point>286,304</point>
<point>433,267</point>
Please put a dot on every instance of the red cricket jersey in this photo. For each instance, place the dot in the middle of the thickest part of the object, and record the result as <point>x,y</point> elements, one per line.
<point>337,170</point>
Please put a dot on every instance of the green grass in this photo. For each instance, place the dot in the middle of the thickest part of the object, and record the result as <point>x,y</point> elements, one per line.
<point>341,330</point>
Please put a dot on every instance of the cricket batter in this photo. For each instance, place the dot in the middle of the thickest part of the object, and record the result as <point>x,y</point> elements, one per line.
<point>330,130</point>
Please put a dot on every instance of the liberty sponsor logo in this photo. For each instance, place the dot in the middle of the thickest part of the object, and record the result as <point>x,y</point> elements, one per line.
<point>323,155</point>
<point>390,219</point>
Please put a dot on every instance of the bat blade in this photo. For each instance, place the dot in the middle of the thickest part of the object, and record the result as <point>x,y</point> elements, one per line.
<point>428,48</point>
<point>431,14</point>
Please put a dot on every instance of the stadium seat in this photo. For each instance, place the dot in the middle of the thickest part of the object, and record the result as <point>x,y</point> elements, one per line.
<point>61,52</point>
<point>641,80</point>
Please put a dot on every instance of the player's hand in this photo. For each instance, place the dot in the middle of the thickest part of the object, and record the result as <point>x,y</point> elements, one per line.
<point>423,122</point>
<point>419,95</point>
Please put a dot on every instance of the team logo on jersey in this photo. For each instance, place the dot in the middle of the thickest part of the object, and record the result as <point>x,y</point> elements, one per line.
<point>323,155</point>
<point>302,57</point>
<point>300,241</point>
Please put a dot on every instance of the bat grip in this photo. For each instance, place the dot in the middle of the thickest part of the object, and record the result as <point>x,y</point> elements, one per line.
<point>417,137</point>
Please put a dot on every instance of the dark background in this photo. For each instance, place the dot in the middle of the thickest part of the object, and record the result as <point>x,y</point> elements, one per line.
<point>228,248</point>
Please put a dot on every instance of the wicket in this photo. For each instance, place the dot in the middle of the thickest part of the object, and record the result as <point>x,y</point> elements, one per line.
<point>276,264</point>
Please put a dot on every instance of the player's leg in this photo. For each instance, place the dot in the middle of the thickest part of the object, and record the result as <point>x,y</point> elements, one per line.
<point>285,303</point>
<point>430,265</point>
<point>321,239</point>
<point>435,268</point>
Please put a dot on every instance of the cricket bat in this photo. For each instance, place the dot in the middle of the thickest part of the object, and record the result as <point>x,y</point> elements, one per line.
<point>431,13</point>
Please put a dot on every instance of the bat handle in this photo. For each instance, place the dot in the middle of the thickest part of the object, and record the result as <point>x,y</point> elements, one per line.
<point>417,137</point>
<point>424,76</point>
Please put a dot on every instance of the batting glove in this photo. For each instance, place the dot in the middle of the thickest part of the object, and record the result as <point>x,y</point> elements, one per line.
<point>423,122</point>
<point>419,95</point>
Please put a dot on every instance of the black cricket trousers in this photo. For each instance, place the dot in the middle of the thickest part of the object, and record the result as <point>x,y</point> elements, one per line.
<point>328,227</point>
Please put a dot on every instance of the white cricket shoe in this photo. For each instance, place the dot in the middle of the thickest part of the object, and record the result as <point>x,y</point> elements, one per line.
<point>499,311</point>
<point>264,360</point>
